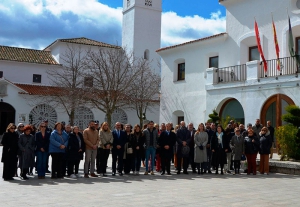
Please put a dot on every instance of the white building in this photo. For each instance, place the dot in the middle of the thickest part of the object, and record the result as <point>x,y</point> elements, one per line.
<point>23,72</point>
<point>223,71</point>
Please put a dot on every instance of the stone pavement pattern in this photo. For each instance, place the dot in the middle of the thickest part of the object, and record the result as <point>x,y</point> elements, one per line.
<point>157,190</point>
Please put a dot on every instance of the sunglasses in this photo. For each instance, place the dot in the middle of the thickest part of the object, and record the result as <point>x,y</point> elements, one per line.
<point>13,128</point>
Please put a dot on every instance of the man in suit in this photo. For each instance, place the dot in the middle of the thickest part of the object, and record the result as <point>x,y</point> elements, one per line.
<point>166,142</point>
<point>182,141</point>
<point>118,149</point>
<point>271,130</point>
<point>210,133</point>
<point>190,136</point>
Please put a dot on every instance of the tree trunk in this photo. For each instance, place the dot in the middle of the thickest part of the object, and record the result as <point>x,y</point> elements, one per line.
<point>108,116</point>
<point>72,117</point>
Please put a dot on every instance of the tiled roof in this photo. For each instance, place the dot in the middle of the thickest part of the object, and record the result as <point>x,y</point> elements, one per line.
<point>190,42</point>
<point>38,89</point>
<point>84,41</point>
<point>26,55</point>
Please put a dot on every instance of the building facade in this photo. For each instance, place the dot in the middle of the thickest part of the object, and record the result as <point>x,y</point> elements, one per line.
<point>224,71</point>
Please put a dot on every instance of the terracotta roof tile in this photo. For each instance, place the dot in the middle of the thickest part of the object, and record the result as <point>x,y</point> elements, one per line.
<point>190,42</point>
<point>26,55</point>
<point>38,89</point>
<point>84,41</point>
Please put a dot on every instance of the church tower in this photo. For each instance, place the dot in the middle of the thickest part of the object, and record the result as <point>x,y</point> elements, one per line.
<point>141,31</point>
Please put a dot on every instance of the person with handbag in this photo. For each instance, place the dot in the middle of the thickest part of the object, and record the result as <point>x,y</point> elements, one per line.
<point>138,150</point>
<point>130,145</point>
<point>183,149</point>
<point>237,147</point>
<point>218,150</point>
<point>251,150</point>
<point>201,139</point>
<point>105,144</point>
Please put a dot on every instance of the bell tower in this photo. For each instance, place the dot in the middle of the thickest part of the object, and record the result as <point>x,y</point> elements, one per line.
<point>141,30</point>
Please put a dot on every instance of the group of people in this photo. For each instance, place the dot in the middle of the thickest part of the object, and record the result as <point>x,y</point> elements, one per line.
<point>205,148</point>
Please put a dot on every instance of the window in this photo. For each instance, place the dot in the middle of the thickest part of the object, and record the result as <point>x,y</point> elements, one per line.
<point>181,71</point>
<point>146,54</point>
<point>1,74</point>
<point>253,53</point>
<point>128,3</point>
<point>88,82</point>
<point>148,2</point>
<point>37,78</point>
<point>214,62</point>
<point>180,119</point>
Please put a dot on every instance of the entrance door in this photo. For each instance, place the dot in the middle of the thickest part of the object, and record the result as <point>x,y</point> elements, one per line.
<point>7,115</point>
<point>274,108</point>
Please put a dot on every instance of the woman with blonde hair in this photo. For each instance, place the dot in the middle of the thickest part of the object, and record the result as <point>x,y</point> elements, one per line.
<point>105,144</point>
<point>9,152</point>
<point>200,155</point>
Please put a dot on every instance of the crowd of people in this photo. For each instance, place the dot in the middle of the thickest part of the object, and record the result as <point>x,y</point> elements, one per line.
<point>204,148</point>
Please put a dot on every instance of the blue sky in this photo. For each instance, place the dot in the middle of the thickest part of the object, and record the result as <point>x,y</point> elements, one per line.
<point>37,23</point>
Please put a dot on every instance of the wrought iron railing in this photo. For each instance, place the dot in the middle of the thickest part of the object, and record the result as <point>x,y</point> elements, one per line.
<point>287,66</point>
<point>231,73</point>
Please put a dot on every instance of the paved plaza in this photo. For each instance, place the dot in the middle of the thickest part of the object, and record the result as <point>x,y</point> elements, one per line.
<point>157,190</point>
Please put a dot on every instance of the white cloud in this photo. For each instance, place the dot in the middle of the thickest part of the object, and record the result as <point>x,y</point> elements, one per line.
<point>177,29</point>
<point>39,22</point>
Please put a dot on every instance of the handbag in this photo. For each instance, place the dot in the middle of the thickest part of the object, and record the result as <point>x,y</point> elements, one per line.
<point>185,150</point>
<point>201,147</point>
<point>129,150</point>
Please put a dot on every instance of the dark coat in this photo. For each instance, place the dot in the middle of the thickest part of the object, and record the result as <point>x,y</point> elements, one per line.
<point>265,143</point>
<point>167,139</point>
<point>219,155</point>
<point>42,142</point>
<point>271,130</point>
<point>10,147</point>
<point>181,136</point>
<point>227,138</point>
<point>251,147</point>
<point>27,146</point>
<point>139,142</point>
<point>73,147</point>
<point>119,140</point>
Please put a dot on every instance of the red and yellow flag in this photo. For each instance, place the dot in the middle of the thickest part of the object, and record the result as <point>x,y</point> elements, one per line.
<point>276,46</point>
<point>259,47</point>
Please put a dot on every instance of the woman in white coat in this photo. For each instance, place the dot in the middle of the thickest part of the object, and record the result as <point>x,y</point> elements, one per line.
<point>201,139</point>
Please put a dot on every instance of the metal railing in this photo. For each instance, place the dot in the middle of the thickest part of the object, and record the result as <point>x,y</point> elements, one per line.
<point>231,73</point>
<point>287,66</point>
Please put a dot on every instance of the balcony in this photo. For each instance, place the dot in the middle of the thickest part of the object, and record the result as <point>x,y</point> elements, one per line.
<point>252,72</point>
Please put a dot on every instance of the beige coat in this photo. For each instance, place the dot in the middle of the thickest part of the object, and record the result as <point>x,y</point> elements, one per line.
<point>201,139</point>
<point>105,138</point>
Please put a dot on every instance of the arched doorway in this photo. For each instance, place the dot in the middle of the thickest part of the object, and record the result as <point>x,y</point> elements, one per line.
<point>233,108</point>
<point>274,108</point>
<point>178,116</point>
<point>7,115</point>
<point>82,117</point>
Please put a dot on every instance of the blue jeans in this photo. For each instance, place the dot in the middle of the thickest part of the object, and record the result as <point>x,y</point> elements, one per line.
<point>150,151</point>
<point>41,159</point>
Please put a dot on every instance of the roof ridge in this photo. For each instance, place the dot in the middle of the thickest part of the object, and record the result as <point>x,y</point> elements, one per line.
<point>24,48</point>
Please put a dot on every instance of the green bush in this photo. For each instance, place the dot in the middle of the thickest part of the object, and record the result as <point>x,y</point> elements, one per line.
<point>214,117</point>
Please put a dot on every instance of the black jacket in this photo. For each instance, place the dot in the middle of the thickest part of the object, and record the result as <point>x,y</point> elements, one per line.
<point>227,139</point>
<point>251,147</point>
<point>73,147</point>
<point>181,136</point>
<point>10,147</point>
<point>265,143</point>
<point>42,142</point>
<point>139,141</point>
<point>167,139</point>
<point>119,140</point>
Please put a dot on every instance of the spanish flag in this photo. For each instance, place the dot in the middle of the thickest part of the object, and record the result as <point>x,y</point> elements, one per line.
<point>259,47</point>
<point>276,45</point>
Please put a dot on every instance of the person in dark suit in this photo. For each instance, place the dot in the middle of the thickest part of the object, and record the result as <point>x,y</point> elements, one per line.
<point>167,141</point>
<point>183,143</point>
<point>42,139</point>
<point>218,149</point>
<point>210,133</point>
<point>190,136</point>
<point>118,149</point>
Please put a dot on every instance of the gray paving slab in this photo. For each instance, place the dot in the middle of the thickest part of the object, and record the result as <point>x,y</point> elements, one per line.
<point>175,190</point>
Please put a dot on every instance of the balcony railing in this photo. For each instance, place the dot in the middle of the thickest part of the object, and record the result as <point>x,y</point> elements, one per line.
<point>232,73</point>
<point>288,66</point>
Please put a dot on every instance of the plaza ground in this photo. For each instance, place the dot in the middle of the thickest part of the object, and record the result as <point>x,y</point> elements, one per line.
<point>157,190</point>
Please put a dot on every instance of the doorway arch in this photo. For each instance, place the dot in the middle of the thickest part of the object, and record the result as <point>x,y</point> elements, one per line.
<point>7,115</point>
<point>233,108</point>
<point>274,108</point>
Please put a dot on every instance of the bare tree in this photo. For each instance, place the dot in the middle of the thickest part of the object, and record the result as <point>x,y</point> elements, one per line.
<point>145,90</point>
<point>70,81</point>
<point>114,72</point>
